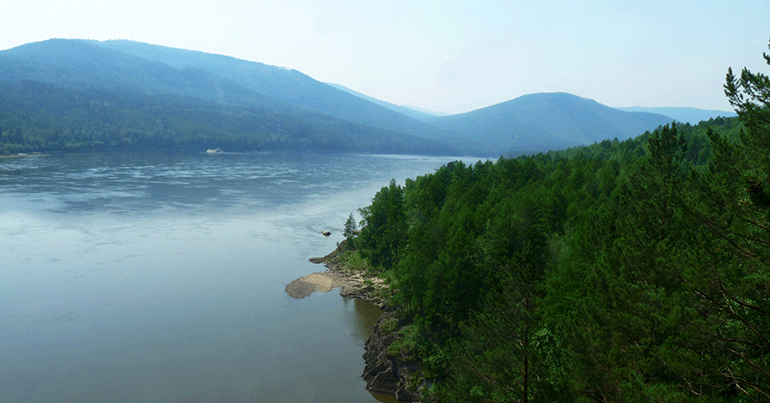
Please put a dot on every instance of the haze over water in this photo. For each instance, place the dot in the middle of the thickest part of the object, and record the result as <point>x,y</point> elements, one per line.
<point>156,278</point>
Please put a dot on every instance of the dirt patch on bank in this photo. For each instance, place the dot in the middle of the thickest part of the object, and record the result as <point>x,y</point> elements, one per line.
<point>314,282</point>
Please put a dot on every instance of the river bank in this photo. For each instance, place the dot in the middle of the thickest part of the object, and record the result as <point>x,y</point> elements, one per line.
<point>387,369</point>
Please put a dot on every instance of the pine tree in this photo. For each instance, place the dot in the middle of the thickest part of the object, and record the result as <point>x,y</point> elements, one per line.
<point>735,284</point>
<point>384,226</point>
<point>350,228</point>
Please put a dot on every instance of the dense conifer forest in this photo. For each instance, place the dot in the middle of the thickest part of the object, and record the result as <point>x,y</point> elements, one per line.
<point>42,117</point>
<point>629,271</point>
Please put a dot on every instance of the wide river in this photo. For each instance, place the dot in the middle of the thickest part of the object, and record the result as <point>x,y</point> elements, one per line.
<point>160,278</point>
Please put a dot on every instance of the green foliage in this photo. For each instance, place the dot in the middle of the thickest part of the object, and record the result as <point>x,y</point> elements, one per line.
<point>37,116</point>
<point>627,271</point>
<point>352,260</point>
<point>405,345</point>
<point>547,121</point>
<point>383,226</point>
<point>351,228</point>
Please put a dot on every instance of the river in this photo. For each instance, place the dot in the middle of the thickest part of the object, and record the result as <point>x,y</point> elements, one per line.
<point>160,278</point>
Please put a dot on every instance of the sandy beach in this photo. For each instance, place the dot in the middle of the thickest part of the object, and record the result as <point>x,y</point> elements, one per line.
<point>314,282</point>
<point>352,284</point>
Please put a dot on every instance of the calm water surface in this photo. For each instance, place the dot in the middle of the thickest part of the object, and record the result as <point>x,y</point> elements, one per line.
<point>155,278</point>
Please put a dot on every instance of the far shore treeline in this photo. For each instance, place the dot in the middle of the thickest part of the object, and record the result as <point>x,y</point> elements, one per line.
<point>625,271</point>
<point>42,117</point>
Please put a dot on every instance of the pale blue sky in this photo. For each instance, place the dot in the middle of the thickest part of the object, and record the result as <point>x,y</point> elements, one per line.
<point>447,56</point>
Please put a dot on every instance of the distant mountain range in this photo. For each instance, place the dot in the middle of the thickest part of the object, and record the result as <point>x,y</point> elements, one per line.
<point>683,115</point>
<point>548,121</point>
<point>151,96</point>
<point>65,94</point>
<point>419,114</point>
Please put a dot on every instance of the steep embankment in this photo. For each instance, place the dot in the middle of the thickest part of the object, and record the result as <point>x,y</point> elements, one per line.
<point>387,368</point>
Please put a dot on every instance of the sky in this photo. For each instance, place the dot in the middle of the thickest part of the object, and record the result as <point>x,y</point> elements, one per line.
<point>446,56</point>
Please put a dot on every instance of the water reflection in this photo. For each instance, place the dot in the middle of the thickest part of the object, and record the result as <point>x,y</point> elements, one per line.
<point>366,315</point>
<point>126,183</point>
<point>365,318</point>
<point>140,278</point>
<point>380,397</point>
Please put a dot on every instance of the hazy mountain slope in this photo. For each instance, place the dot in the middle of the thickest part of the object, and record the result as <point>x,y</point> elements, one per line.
<point>285,105</point>
<point>411,112</point>
<point>684,115</point>
<point>73,93</point>
<point>431,113</point>
<point>36,116</point>
<point>289,86</point>
<point>548,121</point>
<point>81,64</point>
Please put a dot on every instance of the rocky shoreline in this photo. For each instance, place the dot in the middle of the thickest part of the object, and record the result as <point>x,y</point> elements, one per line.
<point>384,372</point>
<point>353,284</point>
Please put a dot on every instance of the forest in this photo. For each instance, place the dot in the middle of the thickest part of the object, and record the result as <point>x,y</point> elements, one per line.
<point>624,271</point>
<point>42,117</point>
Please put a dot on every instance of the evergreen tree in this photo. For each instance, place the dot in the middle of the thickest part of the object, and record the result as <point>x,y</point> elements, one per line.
<point>501,353</point>
<point>350,228</point>
<point>383,226</point>
<point>735,287</point>
<point>628,271</point>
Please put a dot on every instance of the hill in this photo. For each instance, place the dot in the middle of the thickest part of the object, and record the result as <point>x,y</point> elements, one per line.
<point>287,85</point>
<point>551,278</point>
<point>260,106</point>
<point>37,116</point>
<point>548,121</point>
<point>53,92</point>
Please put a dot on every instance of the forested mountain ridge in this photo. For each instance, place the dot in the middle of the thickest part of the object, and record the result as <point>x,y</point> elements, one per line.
<point>286,85</point>
<point>293,111</point>
<point>77,76</point>
<point>548,121</point>
<point>82,65</point>
<point>625,271</point>
<point>41,117</point>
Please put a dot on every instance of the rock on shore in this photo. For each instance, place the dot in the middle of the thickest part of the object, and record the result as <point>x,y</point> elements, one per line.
<point>384,372</point>
<point>352,284</point>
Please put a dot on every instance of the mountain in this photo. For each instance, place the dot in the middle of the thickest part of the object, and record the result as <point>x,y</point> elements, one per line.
<point>683,115</point>
<point>286,85</point>
<point>547,121</point>
<point>419,114</point>
<point>65,94</point>
<point>426,111</point>
<point>86,65</point>
<point>60,86</point>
